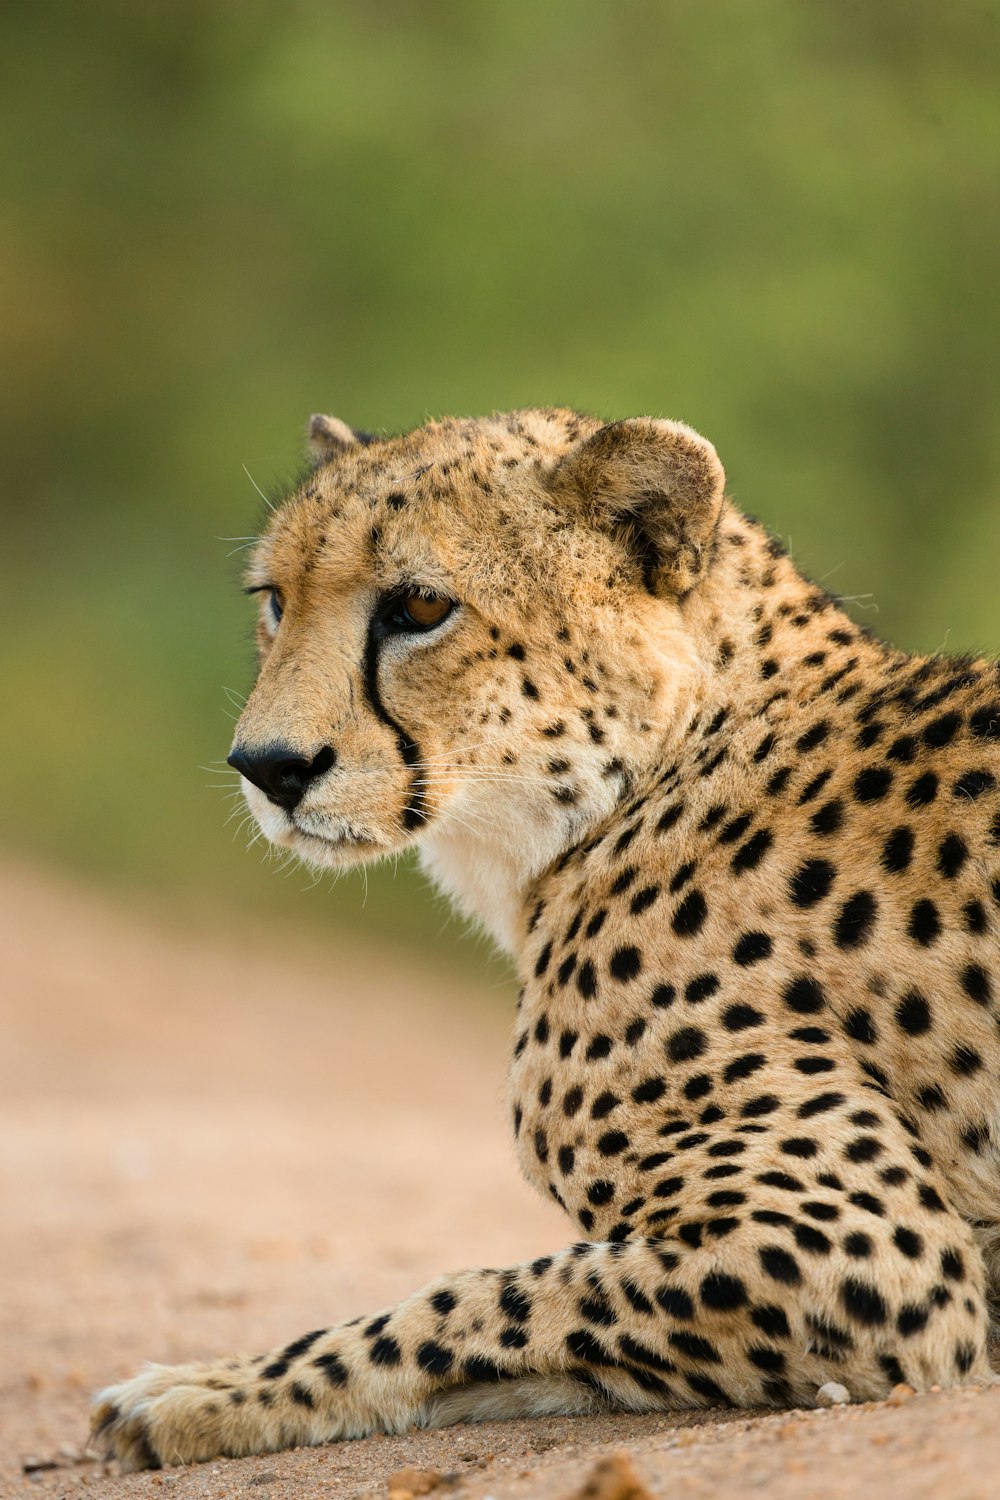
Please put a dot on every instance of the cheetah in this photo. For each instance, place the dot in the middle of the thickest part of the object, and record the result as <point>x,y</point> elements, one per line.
<point>746,858</point>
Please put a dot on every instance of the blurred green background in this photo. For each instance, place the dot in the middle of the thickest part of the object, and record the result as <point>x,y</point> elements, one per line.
<point>776,220</point>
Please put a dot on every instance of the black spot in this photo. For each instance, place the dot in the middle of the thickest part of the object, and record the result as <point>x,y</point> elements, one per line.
<point>819,1105</point>
<point>869,1203</point>
<point>808,1237</point>
<point>676,1302</point>
<point>686,1044</point>
<point>515,1304</point>
<point>973,784</point>
<point>965,1060</point>
<point>863,1148</point>
<point>976,984</point>
<point>952,854</point>
<point>750,854</point>
<point>941,731</point>
<point>566,968</point>
<point>985,722</point>
<point>693,1346</point>
<point>662,996</point>
<point>804,995</point>
<point>812,737</point>
<point>586,980</point>
<point>811,882</point>
<point>743,1067</point>
<point>384,1351</point>
<point>801,1146</point>
<point>854,920</point>
<point>700,988</point>
<point>649,1091</point>
<point>723,1293</point>
<point>690,916</point>
<point>863,1303</point>
<point>924,926</point>
<point>587,1348</point>
<point>333,1368</point>
<point>908,1242</point>
<point>741,1017</point>
<point>897,851</point>
<point>543,960</point>
<point>600,1192</point>
<point>763,1104</point>
<point>697,1087</point>
<point>859,1025</point>
<point>444,1302</point>
<point>599,1311</point>
<point>913,1013</point>
<point>923,790</point>
<point>643,900</point>
<point>625,963</point>
<point>434,1359</point>
<point>302,1345</point>
<point>751,948</point>
<point>595,924</point>
<point>772,1321</point>
<point>872,784</point>
<point>780,1265</point>
<point>828,818</point>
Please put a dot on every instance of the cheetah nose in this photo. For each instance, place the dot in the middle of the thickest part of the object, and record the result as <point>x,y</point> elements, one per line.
<point>281,774</point>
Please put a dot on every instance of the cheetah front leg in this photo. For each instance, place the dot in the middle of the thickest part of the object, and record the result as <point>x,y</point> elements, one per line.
<point>646,1324</point>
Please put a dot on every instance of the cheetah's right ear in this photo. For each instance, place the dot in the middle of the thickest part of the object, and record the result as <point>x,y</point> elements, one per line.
<point>656,483</point>
<point>329,437</point>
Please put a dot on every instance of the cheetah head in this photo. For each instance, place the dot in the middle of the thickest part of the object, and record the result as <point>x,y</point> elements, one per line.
<point>471,637</point>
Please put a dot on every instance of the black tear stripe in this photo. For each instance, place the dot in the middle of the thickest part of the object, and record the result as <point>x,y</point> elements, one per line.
<point>415,813</point>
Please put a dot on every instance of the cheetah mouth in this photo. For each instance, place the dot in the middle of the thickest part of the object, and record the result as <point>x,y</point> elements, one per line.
<point>342,839</point>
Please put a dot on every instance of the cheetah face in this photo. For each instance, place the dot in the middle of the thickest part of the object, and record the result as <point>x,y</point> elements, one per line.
<point>468,635</point>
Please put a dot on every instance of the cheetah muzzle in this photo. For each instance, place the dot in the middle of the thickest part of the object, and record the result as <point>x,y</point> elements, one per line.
<point>747,860</point>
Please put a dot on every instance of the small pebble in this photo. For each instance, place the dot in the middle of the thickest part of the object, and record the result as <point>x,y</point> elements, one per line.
<point>832,1394</point>
<point>266,1476</point>
<point>899,1394</point>
<point>408,1484</point>
<point>614,1478</point>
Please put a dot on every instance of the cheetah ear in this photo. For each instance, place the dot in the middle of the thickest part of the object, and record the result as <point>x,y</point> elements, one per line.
<point>329,437</point>
<point>660,485</point>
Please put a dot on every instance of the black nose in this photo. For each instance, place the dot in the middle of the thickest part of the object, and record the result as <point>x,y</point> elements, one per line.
<point>281,774</point>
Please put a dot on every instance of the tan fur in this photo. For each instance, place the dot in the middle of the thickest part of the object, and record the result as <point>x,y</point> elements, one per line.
<point>748,863</point>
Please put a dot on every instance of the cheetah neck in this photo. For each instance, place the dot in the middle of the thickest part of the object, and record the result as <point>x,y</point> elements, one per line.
<point>734,648</point>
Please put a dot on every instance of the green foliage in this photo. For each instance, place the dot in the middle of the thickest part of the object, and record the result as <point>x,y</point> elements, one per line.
<point>776,220</point>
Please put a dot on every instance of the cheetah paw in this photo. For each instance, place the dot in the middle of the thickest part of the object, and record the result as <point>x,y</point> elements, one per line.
<point>167,1414</point>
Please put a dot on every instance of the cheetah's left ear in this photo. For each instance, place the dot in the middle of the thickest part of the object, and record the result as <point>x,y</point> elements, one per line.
<point>329,436</point>
<point>657,482</point>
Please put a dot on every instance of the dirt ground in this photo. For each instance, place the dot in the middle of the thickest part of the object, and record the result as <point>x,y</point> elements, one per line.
<point>217,1144</point>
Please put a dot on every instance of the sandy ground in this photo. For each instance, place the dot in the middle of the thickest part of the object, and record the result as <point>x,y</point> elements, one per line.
<point>212,1144</point>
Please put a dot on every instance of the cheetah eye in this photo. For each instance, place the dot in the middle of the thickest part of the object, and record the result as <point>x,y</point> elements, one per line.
<point>275,602</point>
<point>414,611</point>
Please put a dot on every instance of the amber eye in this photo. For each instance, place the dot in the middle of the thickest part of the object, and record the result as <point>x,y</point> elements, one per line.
<point>416,611</point>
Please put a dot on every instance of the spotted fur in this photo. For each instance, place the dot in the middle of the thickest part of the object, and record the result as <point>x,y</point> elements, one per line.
<point>747,860</point>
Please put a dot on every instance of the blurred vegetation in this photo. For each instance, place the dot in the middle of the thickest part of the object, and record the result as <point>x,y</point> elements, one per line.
<point>777,220</point>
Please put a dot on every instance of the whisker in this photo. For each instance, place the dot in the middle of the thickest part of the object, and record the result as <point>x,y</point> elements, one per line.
<point>257,487</point>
